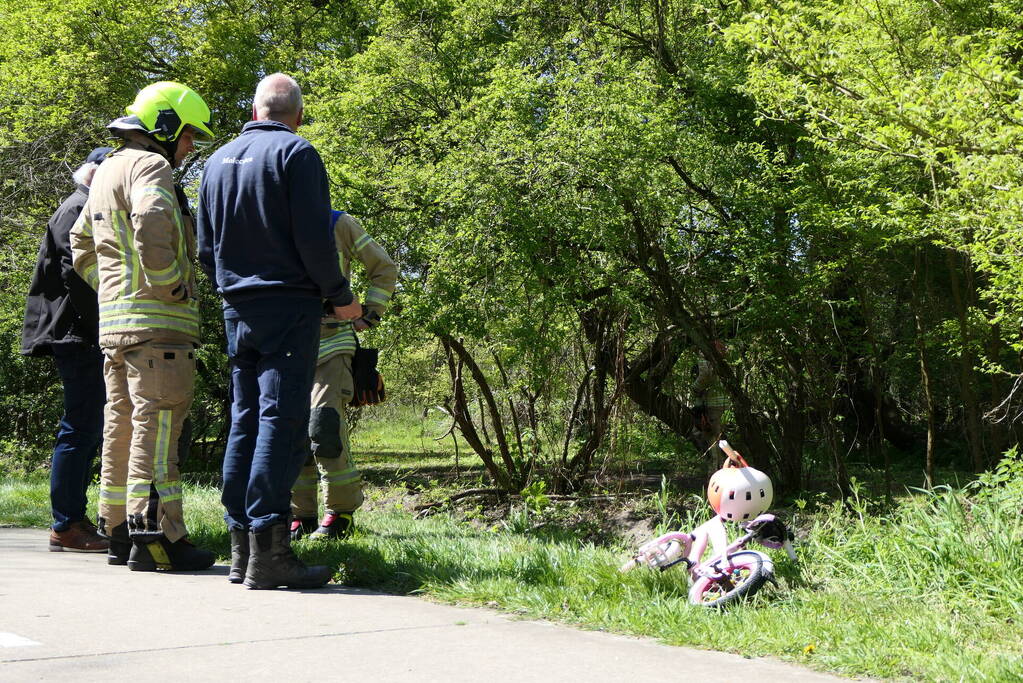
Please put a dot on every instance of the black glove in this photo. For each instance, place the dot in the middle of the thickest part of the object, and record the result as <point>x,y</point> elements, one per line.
<point>369,385</point>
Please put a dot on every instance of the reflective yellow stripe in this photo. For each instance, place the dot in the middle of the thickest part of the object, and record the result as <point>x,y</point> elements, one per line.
<point>136,262</point>
<point>343,341</point>
<point>165,276</point>
<point>86,222</point>
<point>132,323</point>
<point>134,314</point>
<point>163,430</point>
<point>182,268</point>
<point>92,275</point>
<point>113,494</point>
<point>159,191</point>
<point>328,348</point>
<point>308,479</point>
<point>362,242</point>
<point>184,309</point>
<point>120,234</point>
<point>377,295</point>
<point>183,260</point>
<point>344,476</point>
<point>139,488</point>
<point>168,490</point>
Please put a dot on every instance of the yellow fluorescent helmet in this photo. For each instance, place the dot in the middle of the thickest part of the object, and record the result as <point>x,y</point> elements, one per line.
<point>165,108</point>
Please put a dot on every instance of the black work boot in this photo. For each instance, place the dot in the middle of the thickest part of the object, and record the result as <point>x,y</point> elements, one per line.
<point>148,555</point>
<point>239,555</point>
<point>335,525</point>
<point>273,563</point>
<point>120,545</point>
<point>300,526</point>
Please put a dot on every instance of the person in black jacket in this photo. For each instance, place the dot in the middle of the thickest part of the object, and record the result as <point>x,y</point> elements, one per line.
<point>62,320</point>
<point>265,240</point>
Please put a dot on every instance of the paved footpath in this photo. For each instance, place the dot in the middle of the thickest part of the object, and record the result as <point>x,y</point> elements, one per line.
<point>71,617</point>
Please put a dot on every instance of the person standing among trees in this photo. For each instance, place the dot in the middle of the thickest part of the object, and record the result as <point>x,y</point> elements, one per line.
<point>134,243</point>
<point>331,458</point>
<point>265,241</point>
<point>709,406</point>
<point>62,320</point>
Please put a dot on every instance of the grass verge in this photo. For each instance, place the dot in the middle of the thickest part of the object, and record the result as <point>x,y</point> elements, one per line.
<point>928,589</point>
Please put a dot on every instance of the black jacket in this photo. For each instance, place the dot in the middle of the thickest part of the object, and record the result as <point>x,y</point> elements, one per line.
<point>264,219</point>
<point>61,307</point>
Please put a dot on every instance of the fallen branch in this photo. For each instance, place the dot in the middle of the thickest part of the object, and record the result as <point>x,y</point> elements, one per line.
<point>469,493</point>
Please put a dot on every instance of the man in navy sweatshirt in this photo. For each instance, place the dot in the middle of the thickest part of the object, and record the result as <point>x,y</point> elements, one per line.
<point>265,240</point>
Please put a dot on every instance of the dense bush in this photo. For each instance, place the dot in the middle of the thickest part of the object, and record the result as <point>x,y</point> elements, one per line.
<point>583,197</point>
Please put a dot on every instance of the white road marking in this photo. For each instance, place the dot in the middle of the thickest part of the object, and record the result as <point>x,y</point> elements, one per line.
<point>14,640</point>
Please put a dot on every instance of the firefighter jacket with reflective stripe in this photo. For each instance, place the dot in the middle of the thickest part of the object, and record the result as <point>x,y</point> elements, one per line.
<point>134,243</point>
<point>354,243</point>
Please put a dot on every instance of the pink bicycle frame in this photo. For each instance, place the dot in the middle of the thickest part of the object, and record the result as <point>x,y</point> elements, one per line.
<point>678,546</point>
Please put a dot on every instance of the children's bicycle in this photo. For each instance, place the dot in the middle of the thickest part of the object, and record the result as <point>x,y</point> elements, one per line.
<point>737,492</point>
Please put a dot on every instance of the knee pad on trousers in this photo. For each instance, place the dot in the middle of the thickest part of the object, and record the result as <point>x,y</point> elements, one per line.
<point>325,432</point>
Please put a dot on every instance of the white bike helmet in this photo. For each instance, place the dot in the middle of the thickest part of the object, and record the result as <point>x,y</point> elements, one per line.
<point>739,493</point>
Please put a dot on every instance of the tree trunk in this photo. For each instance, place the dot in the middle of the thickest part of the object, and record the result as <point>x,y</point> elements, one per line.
<point>925,375</point>
<point>463,418</point>
<point>967,387</point>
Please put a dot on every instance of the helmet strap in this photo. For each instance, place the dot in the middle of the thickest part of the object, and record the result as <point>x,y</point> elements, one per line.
<point>170,147</point>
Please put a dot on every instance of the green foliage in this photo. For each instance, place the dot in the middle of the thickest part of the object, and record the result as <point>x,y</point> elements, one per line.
<point>1003,484</point>
<point>534,497</point>
<point>586,196</point>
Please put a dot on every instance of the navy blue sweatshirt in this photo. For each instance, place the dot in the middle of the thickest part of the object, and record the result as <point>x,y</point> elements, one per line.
<point>264,219</point>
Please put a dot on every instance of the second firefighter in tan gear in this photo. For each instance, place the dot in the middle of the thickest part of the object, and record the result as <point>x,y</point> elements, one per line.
<point>331,461</point>
<point>134,243</point>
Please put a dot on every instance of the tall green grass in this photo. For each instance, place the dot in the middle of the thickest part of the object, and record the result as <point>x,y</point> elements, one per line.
<point>929,589</point>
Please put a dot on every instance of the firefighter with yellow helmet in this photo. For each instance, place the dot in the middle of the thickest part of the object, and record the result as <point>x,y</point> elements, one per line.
<point>135,244</point>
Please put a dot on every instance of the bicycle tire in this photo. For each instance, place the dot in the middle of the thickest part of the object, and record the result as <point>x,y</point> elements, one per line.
<point>752,570</point>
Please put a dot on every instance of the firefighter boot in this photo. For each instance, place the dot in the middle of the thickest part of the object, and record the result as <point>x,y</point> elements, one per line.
<point>179,556</point>
<point>300,526</point>
<point>273,563</point>
<point>335,525</point>
<point>239,555</point>
<point>120,545</point>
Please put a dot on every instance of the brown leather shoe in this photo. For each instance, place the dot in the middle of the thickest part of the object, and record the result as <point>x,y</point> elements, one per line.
<point>80,537</point>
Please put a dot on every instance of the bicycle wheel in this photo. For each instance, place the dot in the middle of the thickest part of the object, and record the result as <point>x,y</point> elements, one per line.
<point>751,570</point>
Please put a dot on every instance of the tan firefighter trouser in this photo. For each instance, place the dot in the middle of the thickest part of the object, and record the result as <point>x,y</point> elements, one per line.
<point>149,392</point>
<point>332,456</point>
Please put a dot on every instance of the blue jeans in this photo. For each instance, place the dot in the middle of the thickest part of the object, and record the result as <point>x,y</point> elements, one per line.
<point>272,343</point>
<point>80,432</point>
